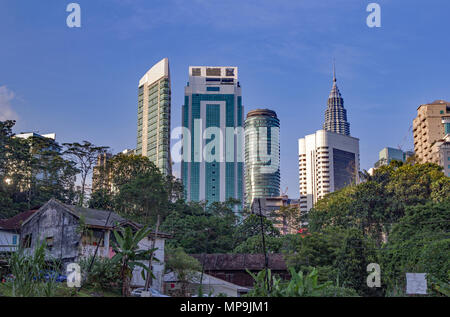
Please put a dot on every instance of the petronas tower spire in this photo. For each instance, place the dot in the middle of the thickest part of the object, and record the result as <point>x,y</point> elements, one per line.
<point>336,115</point>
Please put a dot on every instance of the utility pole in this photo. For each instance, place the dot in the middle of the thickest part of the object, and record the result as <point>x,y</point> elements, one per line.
<point>266,259</point>
<point>149,275</point>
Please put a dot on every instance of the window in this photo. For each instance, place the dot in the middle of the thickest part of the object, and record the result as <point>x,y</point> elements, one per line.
<point>26,242</point>
<point>212,88</point>
<point>49,242</point>
<point>196,71</point>
<point>14,240</point>
<point>213,72</point>
<point>230,71</point>
<point>92,237</point>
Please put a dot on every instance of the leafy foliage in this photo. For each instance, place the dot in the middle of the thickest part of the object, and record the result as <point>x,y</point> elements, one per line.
<point>129,255</point>
<point>104,273</point>
<point>28,274</point>
<point>199,227</point>
<point>418,243</point>
<point>135,188</point>
<point>184,266</point>
<point>300,285</point>
<point>32,171</point>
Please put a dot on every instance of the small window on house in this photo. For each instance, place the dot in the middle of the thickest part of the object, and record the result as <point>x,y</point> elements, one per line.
<point>49,242</point>
<point>93,237</point>
<point>14,240</point>
<point>26,242</point>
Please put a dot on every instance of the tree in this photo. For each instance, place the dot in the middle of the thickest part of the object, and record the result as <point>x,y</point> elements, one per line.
<point>32,171</point>
<point>419,242</point>
<point>352,258</point>
<point>134,187</point>
<point>381,201</point>
<point>185,267</point>
<point>199,227</point>
<point>126,246</point>
<point>143,198</point>
<point>254,245</point>
<point>85,155</point>
<point>251,226</point>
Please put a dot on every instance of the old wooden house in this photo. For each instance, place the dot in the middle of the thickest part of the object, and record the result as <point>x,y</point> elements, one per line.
<point>71,233</point>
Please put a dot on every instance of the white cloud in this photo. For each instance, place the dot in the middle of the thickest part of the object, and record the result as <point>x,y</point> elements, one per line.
<point>6,111</point>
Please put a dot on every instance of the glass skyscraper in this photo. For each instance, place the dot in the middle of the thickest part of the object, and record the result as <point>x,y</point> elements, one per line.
<point>212,116</point>
<point>153,134</point>
<point>262,155</point>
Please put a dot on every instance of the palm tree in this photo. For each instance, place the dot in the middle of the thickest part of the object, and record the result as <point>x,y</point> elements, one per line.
<point>128,254</point>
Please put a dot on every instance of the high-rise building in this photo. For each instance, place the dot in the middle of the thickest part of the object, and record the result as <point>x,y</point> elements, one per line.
<point>441,149</point>
<point>153,134</point>
<point>428,128</point>
<point>388,154</point>
<point>329,158</point>
<point>262,155</point>
<point>328,162</point>
<point>212,166</point>
<point>336,115</point>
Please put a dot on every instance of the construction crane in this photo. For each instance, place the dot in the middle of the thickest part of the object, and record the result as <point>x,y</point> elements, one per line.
<point>405,138</point>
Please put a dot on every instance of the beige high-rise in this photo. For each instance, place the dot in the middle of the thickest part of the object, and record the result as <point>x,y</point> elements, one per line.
<point>429,128</point>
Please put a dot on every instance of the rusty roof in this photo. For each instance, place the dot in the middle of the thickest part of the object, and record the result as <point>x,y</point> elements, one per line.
<point>235,262</point>
<point>15,222</point>
<point>102,219</point>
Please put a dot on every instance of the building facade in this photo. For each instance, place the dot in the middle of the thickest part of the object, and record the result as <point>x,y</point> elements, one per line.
<point>329,158</point>
<point>271,208</point>
<point>428,128</point>
<point>212,166</point>
<point>328,162</point>
<point>441,149</point>
<point>262,155</point>
<point>58,225</point>
<point>388,154</point>
<point>154,102</point>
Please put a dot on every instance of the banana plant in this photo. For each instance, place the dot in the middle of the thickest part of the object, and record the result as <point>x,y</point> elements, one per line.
<point>129,256</point>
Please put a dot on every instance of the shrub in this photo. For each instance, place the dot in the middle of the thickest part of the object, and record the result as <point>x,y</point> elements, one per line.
<point>104,273</point>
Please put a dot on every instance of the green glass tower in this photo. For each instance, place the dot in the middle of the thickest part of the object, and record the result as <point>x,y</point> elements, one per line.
<point>212,114</point>
<point>262,155</point>
<point>153,135</point>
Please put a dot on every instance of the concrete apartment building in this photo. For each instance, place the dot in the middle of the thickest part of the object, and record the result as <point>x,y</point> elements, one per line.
<point>441,149</point>
<point>429,128</point>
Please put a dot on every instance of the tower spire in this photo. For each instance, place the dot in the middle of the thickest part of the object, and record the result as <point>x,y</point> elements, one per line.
<point>334,70</point>
<point>336,115</point>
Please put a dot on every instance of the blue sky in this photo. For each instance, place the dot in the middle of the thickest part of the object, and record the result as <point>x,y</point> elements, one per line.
<point>82,83</point>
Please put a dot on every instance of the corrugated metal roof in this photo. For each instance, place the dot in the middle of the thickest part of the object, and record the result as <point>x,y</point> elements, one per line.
<point>233,262</point>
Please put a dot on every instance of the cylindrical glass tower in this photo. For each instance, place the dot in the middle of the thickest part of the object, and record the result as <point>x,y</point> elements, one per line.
<point>262,155</point>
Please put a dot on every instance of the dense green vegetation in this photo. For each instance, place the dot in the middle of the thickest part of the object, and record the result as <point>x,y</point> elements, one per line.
<point>398,218</point>
<point>31,172</point>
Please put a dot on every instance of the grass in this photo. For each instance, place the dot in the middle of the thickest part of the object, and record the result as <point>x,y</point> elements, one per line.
<point>64,291</point>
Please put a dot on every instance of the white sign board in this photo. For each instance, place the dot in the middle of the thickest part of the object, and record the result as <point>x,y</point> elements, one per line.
<point>416,283</point>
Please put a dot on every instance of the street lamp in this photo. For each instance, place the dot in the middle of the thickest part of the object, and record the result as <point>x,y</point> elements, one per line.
<point>8,181</point>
